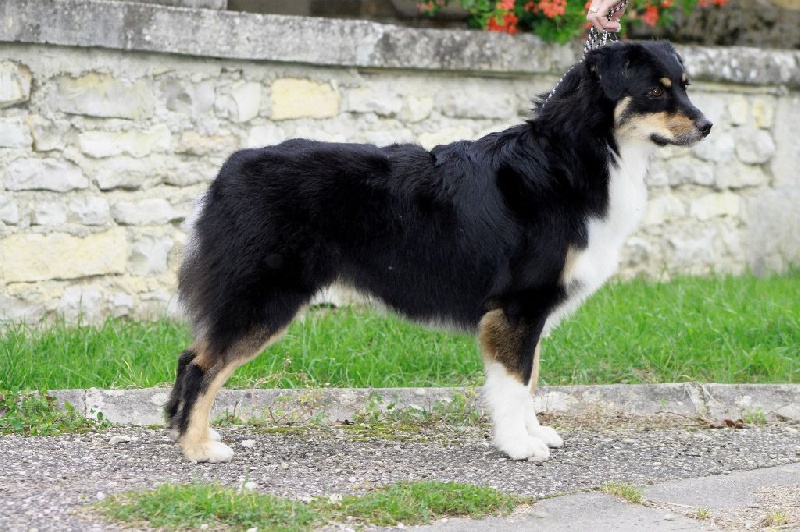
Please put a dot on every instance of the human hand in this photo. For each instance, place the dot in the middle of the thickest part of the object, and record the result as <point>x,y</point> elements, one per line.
<point>598,15</point>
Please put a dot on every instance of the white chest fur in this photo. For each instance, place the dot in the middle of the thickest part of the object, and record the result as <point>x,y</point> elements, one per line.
<point>607,234</point>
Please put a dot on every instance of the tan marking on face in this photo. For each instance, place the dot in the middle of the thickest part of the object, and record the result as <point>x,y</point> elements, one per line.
<point>680,125</point>
<point>666,82</point>
<point>619,110</point>
<point>684,79</point>
<point>663,124</point>
<point>500,342</point>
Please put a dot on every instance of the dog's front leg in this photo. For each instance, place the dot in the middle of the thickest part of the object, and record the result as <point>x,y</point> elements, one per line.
<point>510,354</point>
<point>547,434</point>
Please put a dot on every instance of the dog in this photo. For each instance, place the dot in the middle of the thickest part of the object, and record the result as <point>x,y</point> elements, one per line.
<point>502,236</point>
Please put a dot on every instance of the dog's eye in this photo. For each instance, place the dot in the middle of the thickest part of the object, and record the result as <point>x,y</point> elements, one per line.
<point>656,92</point>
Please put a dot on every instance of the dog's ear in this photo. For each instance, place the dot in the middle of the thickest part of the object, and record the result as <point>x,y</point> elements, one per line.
<point>610,64</point>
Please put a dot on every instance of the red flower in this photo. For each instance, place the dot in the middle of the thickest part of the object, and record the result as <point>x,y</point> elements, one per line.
<point>508,5</point>
<point>650,16</point>
<point>508,24</point>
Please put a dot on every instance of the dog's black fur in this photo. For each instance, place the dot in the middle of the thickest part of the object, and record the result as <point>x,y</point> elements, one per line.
<point>442,236</point>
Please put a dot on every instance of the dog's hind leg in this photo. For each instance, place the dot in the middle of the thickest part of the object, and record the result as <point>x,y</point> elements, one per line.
<point>508,351</point>
<point>200,377</point>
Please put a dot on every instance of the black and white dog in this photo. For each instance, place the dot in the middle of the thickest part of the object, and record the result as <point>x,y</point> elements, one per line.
<point>502,236</point>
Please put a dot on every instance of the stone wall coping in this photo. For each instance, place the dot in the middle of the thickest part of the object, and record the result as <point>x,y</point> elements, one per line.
<point>342,43</point>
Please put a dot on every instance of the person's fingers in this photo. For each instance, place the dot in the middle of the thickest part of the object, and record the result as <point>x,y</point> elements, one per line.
<point>598,15</point>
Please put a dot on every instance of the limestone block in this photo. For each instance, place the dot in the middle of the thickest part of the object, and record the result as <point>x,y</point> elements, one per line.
<point>247,99</point>
<point>445,135</point>
<point>149,255</point>
<point>664,209</point>
<point>754,147</point>
<point>90,210</point>
<point>302,98</point>
<point>14,133</point>
<point>192,99</point>
<point>17,309</point>
<point>120,304</point>
<point>379,100</point>
<point>81,304</point>
<point>184,174</point>
<point>784,164</point>
<point>773,230</point>
<point>44,174</point>
<point>266,135</point>
<point>154,211</point>
<point>735,175</point>
<point>713,205</point>
<point>739,110</point>
<point>15,83</point>
<point>50,135</point>
<point>417,108</point>
<point>692,251</point>
<point>34,257</point>
<point>221,144</point>
<point>719,147</point>
<point>658,176</point>
<point>103,96</point>
<point>690,171</point>
<point>48,213</point>
<point>100,144</point>
<point>764,113</point>
<point>477,101</point>
<point>125,172</point>
<point>9,213</point>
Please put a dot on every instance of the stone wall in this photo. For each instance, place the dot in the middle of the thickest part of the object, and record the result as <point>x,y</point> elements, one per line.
<point>105,144</point>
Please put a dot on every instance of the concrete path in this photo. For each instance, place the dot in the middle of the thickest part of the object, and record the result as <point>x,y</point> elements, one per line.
<point>691,477</point>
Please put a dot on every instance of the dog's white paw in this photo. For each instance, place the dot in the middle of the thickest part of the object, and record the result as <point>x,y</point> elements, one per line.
<point>547,434</point>
<point>173,434</point>
<point>207,451</point>
<point>523,447</point>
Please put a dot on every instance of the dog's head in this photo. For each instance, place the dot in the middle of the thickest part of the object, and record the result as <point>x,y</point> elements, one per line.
<point>647,83</point>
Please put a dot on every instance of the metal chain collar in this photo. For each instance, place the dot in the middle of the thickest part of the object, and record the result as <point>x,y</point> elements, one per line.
<point>595,39</point>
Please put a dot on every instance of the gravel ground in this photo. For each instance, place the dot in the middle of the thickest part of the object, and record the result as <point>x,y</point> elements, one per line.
<point>46,482</point>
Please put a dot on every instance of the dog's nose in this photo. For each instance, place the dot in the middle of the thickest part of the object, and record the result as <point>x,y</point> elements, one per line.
<point>703,125</point>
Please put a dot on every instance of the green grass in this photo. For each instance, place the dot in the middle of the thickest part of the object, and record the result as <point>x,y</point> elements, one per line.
<point>628,492</point>
<point>725,329</point>
<point>36,414</point>
<point>182,506</point>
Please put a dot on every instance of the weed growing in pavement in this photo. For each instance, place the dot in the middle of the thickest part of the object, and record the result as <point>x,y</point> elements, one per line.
<point>38,414</point>
<point>774,518</point>
<point>183,506</point>
<point>755,417</point>
<point>388,421</point>
<point>626,491</point>
<point>703,513</point>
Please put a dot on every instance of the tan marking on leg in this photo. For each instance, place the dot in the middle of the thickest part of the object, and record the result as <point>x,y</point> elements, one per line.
<point>196,442</point>
<point>499,342</point>
<point>535,373</point>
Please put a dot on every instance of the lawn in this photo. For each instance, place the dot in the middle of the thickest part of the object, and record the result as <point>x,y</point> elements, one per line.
<point>722,329</point>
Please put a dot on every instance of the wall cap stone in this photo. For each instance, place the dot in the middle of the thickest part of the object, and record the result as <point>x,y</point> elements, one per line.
<point>349,43</point>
